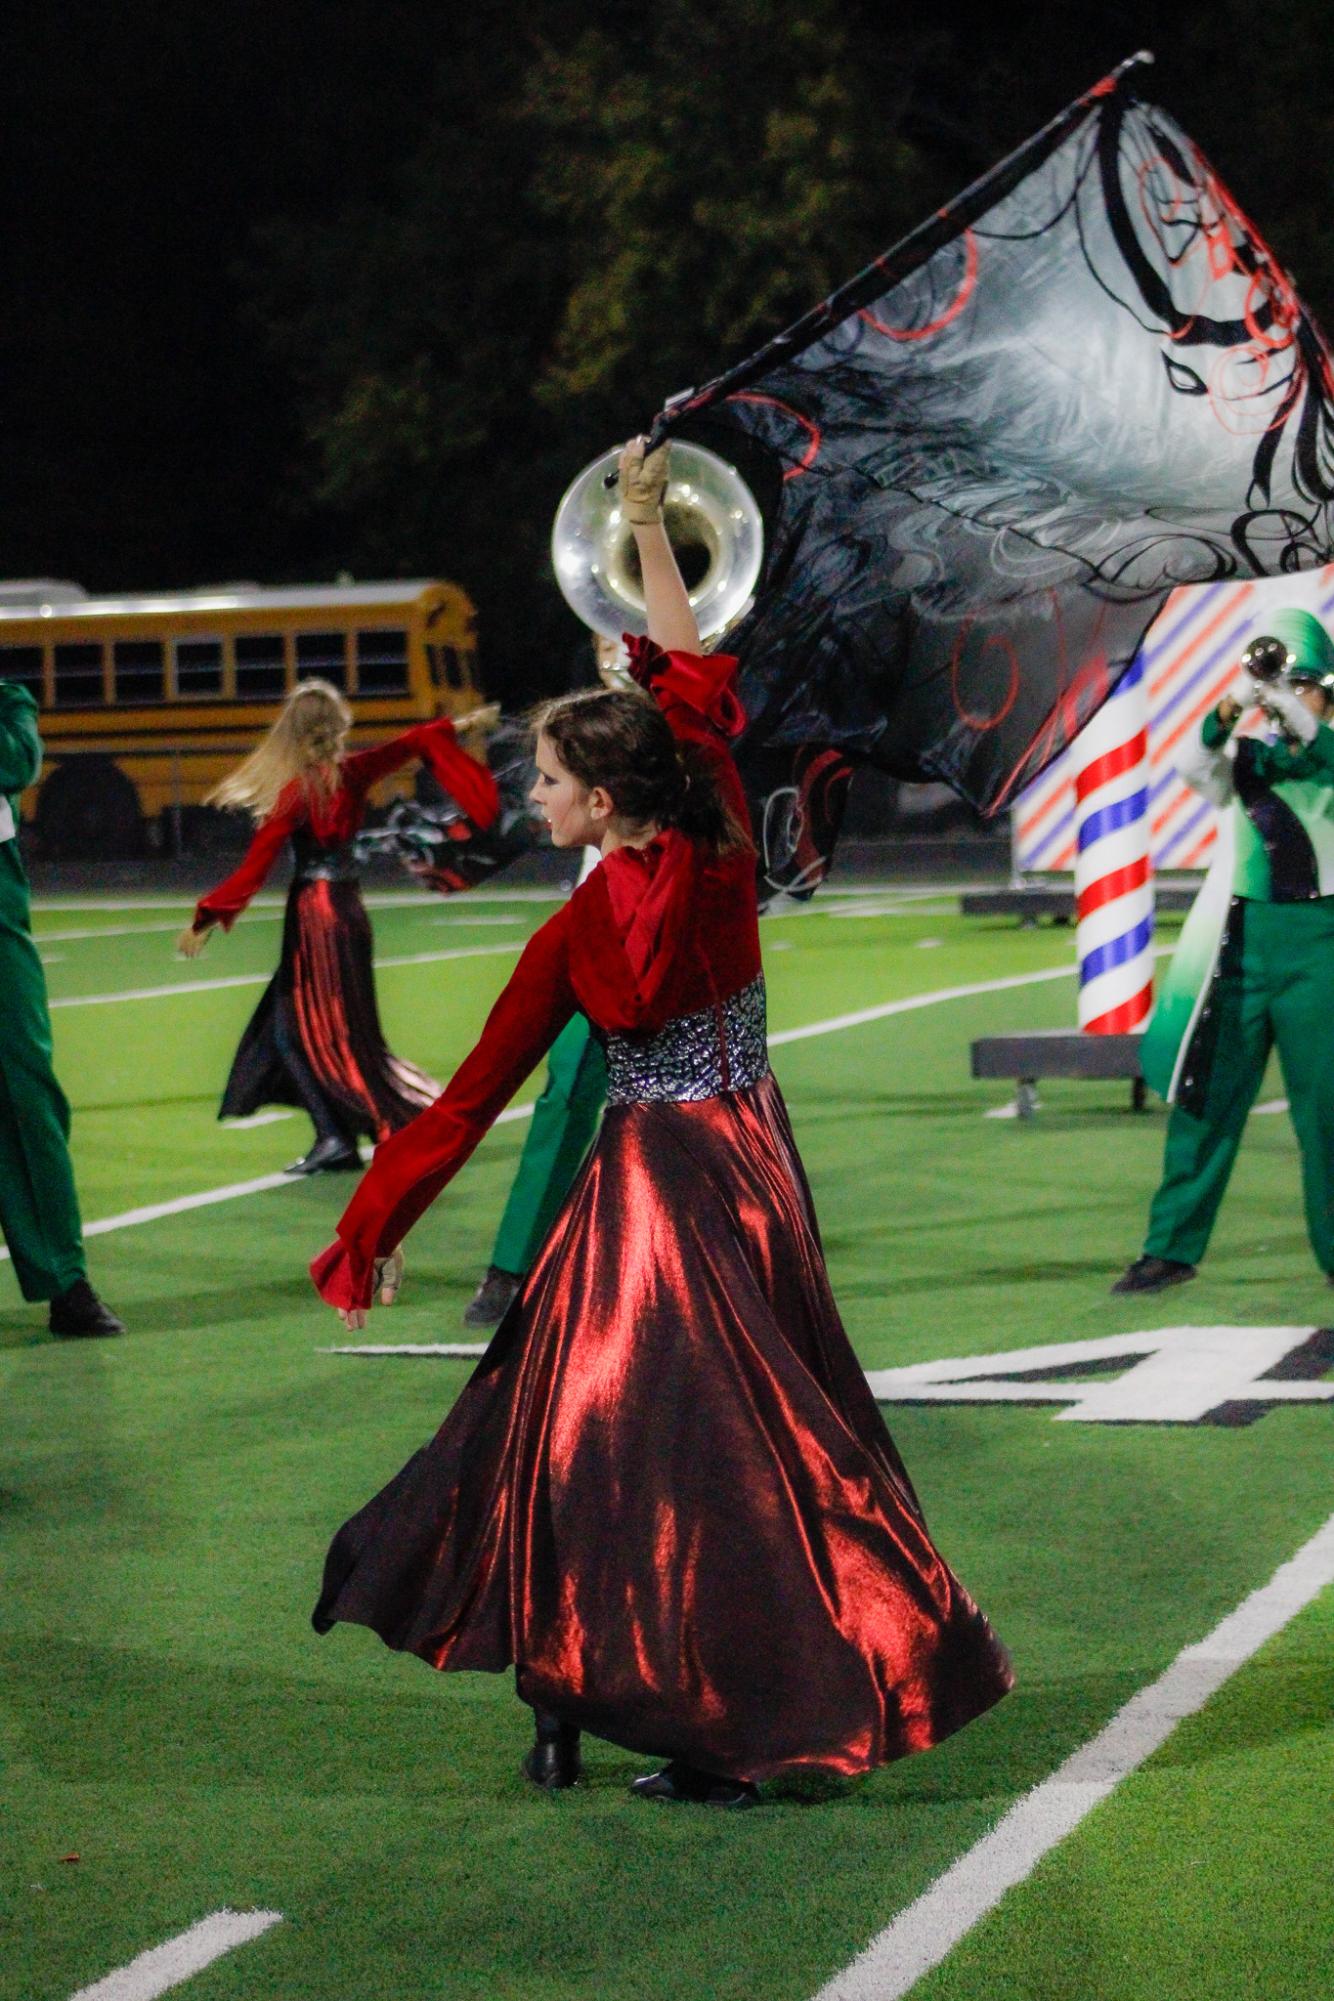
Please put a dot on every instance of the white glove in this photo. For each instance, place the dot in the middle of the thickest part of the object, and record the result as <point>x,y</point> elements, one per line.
<point>1283,701</point>
<point>1208,772</point>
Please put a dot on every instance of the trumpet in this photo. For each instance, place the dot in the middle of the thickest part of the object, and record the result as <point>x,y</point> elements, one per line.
<point>1269,663</point>
<point>1266,659</point>
<point>713,523</point>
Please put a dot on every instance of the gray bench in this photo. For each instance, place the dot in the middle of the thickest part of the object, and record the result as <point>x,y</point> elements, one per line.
<point>1058,1052</point>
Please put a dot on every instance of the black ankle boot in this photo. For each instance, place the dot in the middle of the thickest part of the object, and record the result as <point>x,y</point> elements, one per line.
<point>330,1155</point>
<point>78,1314</point>
<point>682,1783</point>
<point>554,1761</point>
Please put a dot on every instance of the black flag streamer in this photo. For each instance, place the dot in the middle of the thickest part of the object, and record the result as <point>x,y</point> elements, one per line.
<point>995,451</point>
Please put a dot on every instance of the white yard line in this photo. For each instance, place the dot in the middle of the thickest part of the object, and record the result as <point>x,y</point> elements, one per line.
<point>921,1936</point>
<point>207,1196</point>
<point>153,1212</point>
<point>179,1959</point>
<point>262,979</point>
<point>455,1349</point>
<point>915,1001</point>
<point>384,899</point>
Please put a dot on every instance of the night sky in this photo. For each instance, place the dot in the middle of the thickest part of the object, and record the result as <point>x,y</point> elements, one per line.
<point>151,436</point>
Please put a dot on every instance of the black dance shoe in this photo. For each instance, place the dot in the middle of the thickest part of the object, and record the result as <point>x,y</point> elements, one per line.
<point>77,1314</point>
<point>492,1299</point>
<point>329,1155</point>
<point>1153,1275</point>
<point>554,1761</point>
<point>680,1782</point>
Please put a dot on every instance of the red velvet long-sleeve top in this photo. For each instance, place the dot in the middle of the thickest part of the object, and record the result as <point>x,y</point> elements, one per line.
<point>336,819</point>
<point>659,931</point>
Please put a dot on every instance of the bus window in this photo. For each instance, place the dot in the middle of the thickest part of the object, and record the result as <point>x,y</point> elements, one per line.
<point>138,671</point>
<point>198,667</point>
<point>23,663</point>
<point>322,653</point>
<point>260,669</point>
<point>446,667</point>
<point>78,675</point>
<point>382,662</point>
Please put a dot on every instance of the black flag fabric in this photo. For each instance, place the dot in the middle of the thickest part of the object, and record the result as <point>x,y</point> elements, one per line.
<point>990,456</point>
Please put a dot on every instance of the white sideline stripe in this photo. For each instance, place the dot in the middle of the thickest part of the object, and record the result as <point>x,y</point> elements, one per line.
<point>390,899</point>
<point>457,1348</point>
<point>915,1001</point>
<point>262,979</point>
<point>179,1959</point>
<point>920,1936</point>
<point>131,930</point>
<point>208,1196</point>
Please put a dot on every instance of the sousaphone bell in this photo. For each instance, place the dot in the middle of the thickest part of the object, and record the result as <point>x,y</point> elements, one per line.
<point>713,523</point>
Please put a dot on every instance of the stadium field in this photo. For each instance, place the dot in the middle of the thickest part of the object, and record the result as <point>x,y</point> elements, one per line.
<point>1146,1817</point>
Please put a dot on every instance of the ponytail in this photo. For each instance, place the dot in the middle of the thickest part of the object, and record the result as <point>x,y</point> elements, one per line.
<point>618,738</point>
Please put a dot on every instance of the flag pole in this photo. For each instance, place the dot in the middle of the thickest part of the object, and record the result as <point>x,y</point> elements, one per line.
<point>894,265</point>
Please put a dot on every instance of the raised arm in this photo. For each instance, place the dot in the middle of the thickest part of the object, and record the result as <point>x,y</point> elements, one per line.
<point>409,1170</point>
<point>436,744</point>
<point>671,617</point>
<point>1204,760</point>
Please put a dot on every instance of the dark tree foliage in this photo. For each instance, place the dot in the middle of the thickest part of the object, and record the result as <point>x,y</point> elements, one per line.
<point>360,284</point>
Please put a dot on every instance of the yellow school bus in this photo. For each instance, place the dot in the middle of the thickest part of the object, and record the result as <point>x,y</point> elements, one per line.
<point>147,701</point>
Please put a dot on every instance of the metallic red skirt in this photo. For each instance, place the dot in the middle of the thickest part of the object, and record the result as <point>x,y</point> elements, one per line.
<point>315,1038</point>
<point>667,1494</point>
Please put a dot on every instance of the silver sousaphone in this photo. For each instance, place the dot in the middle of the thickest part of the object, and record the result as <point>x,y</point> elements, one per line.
<point>712,523</point>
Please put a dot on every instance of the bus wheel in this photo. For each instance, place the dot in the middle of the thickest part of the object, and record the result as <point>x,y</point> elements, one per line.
<point>88,809</point>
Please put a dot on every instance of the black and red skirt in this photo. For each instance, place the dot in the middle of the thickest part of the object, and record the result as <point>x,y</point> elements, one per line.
<point>315,1038</point>
<point>667,1495</point>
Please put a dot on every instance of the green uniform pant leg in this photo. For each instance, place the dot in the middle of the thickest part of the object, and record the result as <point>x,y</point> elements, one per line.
<point>565,1119</point>
<point>1201,1148</point>
<point>39,1210</point>
<point>1301,952</point>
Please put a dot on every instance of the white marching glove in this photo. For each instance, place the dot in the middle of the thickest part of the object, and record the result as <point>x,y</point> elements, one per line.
<point>1283,701</point>
<point>643,483</point>
<point>1208,772</point>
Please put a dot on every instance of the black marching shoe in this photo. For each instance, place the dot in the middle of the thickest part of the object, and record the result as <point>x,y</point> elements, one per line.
<point>77,1314</point>
<point>1153,1275</point>
<point>554,1761</point>
<point>330,1155</point>
<point>492,1299</point>
<point>678,1781</point>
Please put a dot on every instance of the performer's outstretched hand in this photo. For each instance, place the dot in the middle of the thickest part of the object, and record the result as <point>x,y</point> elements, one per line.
<point>388,1278</point>
<point>191,942</point>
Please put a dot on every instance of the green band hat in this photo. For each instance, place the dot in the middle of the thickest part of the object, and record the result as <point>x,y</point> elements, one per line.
<point>1310,648</point>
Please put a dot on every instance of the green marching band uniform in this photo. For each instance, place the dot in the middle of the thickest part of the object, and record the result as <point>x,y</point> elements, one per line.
<point>39,1209</point>
<point>564,1125</point>
<point>565,1122</point>
<point>1254,968</point>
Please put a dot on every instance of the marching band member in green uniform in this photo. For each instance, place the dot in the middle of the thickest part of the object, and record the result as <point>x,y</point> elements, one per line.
<point>39,1210</point>
<point>1261,977</point>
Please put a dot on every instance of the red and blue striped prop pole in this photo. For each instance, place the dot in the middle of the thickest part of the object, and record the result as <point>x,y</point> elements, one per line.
<point>1113,872</point>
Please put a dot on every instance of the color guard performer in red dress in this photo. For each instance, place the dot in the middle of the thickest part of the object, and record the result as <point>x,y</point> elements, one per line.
<point>315,1038</point>
<point>666,1496</point>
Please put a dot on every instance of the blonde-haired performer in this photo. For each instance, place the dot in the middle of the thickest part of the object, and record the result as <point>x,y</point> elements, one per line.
<point>315,1038</point>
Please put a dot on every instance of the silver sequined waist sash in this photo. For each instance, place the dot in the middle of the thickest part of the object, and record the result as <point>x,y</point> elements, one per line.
<point>721,1048</point>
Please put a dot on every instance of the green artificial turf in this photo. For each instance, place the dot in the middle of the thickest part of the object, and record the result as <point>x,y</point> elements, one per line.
<point>167,1714</point>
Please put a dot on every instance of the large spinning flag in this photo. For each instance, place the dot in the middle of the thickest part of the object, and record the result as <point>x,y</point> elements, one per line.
<point>997,449</point>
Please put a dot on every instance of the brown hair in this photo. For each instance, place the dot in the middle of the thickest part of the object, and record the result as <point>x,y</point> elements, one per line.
<point>306,743</point>
<point>618,738</point>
